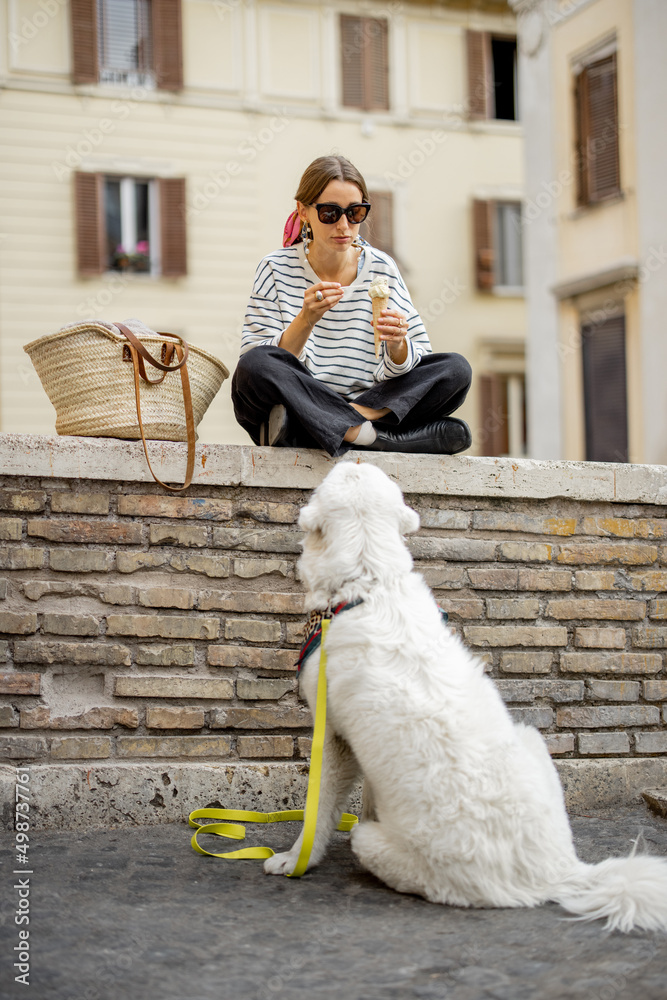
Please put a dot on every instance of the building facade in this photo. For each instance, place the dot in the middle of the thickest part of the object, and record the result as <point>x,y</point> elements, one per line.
<point>152,148</point>
<point>593,89</point>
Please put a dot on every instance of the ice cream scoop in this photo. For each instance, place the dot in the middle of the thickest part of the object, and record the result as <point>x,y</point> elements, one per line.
<point>379,293</point>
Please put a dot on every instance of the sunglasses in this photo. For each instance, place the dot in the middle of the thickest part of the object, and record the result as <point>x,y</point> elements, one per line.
<point>329,213</point>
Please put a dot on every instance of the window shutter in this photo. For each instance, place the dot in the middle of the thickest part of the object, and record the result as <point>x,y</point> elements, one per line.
<point>172,227</point>
<point>494,438</point>
<point>582,129</point>
<point>483,244</point>
<point>90,236</point>
<point>379,230</point>
<point>167,44</point>
<point>376,68</point>
<point>604,173</point>
<point>596,124</point>
<point>605,390</point>
<point>351,61</point>
<point>84,41</point>
<point>365,62</point>
<point>479,89</point>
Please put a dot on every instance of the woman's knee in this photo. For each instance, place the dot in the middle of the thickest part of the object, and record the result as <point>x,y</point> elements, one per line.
<point>258,363</point>
<point>452,367</point>
<point>461,369</point>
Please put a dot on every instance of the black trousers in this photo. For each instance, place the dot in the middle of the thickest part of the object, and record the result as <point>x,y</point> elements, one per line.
<point>266,376</point>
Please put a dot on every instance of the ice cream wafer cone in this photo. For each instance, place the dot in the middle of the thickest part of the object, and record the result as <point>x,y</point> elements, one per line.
<point>379,293</point>
<point>378,305</point>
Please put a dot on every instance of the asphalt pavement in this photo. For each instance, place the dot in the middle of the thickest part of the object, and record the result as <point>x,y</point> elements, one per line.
<point>136,913</point>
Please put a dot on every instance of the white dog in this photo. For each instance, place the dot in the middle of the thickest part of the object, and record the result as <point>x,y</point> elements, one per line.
<point>467,805</point>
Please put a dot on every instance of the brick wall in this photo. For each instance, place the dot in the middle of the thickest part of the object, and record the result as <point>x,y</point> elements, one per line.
<point>138,628</point>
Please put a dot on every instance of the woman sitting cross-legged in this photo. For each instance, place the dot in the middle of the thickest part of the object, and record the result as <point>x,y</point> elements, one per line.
<point>308,375</point>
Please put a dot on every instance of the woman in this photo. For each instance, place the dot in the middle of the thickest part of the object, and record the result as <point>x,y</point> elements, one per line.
<point>308,375</point>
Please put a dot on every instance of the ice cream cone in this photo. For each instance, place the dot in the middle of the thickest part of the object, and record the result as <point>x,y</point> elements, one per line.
<point>378,305</point>
<point>379,293</point>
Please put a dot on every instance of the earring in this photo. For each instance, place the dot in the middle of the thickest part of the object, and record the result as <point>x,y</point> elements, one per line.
<point>306,236</point>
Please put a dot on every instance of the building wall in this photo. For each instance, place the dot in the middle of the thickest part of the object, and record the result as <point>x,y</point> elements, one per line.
<point>567,243</point>
<point>543,191</point>
<point>597,237</point>
<point>650,27</point>
<point>260,100</point>
<point>150,635</point>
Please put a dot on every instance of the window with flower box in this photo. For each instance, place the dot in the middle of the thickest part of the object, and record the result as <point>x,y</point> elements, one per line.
<point>130,224</point>
<point>130,215</point>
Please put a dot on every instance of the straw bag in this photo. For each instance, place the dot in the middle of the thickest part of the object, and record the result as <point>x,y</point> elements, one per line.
<point>92,373</point>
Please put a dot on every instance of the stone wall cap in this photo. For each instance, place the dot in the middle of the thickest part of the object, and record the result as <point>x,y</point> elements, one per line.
<point>113,459</point>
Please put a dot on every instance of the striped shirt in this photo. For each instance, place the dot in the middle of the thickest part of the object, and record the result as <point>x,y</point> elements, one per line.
<point>340,350</point>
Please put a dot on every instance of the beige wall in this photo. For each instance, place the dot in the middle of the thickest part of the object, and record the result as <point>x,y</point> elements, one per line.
<point>260,101</point>
<point>589,240</point>
<point>592,238</point>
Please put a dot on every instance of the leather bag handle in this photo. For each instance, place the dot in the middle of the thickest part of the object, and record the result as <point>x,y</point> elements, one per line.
<point>145,354</point>
<point>139,352</point>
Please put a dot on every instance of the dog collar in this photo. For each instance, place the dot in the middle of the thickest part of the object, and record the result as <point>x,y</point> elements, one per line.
<point>313,627</point>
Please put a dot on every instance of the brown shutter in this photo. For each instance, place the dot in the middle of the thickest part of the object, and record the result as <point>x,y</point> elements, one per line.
<point>379,230</point>
<point>376,68</point>
<point>582,129</point>
<point>167,44</point>
<point>604,173</point>
<point>605,390</point>
<point>494,435</point>
<point>365,62</point>
<point>172,226</point>
<point>596,124</point>
<point>84,41</point>
<point>479,74</point>
<point>89,214</point>
<point>483,244</point>
<point>351,37</point>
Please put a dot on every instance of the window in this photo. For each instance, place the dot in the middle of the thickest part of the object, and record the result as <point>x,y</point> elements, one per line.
<point>492,76</point>
<point>605,390</point>
<point>130,214</point>
<point>124,39</point>
<point>596,131</point>
<point>129,42</point>
<point>364,62</point>
<point>498,245</point>
<point>379,229</point>
<point>130,224</point>
<point>502,414</point>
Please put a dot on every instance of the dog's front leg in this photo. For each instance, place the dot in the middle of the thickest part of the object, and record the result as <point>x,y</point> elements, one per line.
<point>339,772</point>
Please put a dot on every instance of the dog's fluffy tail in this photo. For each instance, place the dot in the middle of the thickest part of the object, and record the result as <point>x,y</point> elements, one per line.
<point>630,892</point>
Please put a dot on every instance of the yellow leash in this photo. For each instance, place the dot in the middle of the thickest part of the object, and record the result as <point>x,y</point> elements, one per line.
<point>308,815</point>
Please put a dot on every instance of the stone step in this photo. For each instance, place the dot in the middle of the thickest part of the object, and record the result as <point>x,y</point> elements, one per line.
<point>656,800</point>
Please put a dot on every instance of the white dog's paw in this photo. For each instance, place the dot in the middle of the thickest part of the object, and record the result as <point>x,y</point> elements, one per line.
<point>280,864</point>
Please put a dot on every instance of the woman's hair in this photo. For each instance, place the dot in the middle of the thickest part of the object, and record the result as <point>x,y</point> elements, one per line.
<point>323,170</point>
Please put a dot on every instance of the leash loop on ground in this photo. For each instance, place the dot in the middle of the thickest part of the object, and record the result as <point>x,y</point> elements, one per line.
<point>235,831</point>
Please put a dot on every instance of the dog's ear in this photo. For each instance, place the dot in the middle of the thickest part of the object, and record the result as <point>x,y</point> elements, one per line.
<point>408,520</point>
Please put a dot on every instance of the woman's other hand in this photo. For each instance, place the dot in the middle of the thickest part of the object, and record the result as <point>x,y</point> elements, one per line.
<point>318,299</point>
<point>393,328</point>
